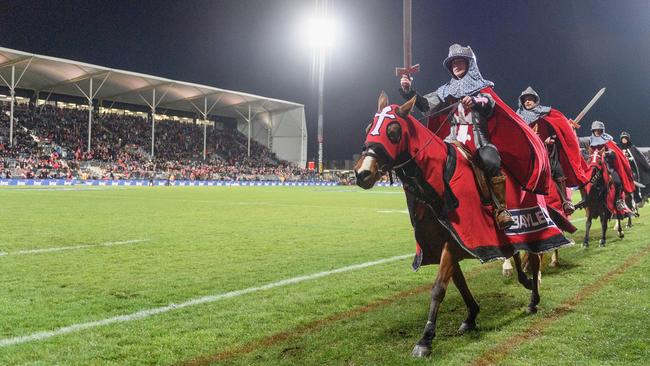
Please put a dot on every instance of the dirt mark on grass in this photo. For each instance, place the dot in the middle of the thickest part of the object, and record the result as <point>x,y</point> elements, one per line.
<point>301,330</point>
<point>499,352</point>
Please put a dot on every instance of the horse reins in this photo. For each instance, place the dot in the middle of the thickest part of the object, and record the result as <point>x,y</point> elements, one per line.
<point>451,108</point>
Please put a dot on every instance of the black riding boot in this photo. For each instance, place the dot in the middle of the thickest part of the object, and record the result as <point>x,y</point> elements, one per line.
<point>567,205</point>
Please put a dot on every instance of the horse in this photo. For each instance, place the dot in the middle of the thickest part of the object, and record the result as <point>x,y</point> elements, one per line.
<point>598,199</point>
<point>417,149</point>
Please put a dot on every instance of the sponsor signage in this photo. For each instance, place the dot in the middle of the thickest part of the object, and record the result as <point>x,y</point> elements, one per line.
<point>141,183</point>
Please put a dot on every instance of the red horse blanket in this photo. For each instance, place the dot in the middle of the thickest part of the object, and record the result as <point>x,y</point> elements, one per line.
<point>598,162</point>
<point>472,223</point>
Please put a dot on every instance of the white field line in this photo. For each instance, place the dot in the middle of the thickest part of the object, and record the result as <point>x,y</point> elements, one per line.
<point>73,247</point>
<point>164,309</point>
<point>198,301</point>
<point>393,211</point>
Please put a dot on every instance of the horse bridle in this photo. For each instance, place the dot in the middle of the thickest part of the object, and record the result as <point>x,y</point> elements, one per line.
<point>386,167</point>
<point>369,151</point>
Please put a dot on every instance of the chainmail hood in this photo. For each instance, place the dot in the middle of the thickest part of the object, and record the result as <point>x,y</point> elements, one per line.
<point>599,140</point>
<point>535,113</point>
<point>470,83</point>
<point>627,136</point>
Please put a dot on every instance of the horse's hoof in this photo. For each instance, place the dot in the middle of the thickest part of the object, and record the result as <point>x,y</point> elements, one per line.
<point>466,327</point>
<point>601,242</point>
<point>621,236</point>
<point>421,351</point>
<point>585,245</point>
<point>555,263</point>
<point>507,273</point>
<point>531,310</point>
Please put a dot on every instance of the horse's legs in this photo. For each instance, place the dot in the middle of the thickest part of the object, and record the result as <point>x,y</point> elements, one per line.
<point>445,271</point>
<point>472,306</point>
<point>506,268</point>
<point>534,297</point>
<point>555,258</point>
<point>603,224</point>
<point>621,235</point>
<point>629,219</point>
<point>521,275</point>
<point>585,242</point>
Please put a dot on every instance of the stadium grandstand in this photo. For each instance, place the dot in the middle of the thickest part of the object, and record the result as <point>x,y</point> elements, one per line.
<point>62,119</point>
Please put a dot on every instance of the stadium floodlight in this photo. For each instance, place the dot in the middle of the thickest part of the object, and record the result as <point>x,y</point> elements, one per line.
<point>321,32</point>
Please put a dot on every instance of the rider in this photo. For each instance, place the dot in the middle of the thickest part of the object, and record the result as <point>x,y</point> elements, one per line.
<point>617,164</point>
<point>561,142</point>
<point>474,108</point>
<point>639,165</point>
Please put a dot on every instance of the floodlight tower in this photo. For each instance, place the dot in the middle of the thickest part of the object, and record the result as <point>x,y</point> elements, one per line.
<point>321,33</point>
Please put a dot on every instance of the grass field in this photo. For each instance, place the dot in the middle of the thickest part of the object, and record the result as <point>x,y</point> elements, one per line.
<point>286,276</point>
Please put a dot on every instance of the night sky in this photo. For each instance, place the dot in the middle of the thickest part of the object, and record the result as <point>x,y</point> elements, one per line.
<point>566,51</point>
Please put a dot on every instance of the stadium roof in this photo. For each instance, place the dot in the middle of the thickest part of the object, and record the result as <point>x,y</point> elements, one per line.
<point>60,76</point>
<point>47,74</point>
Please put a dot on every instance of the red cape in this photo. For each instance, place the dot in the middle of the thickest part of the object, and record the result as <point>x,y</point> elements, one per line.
<point>523,154</point>
<point>622,166</point>
<point>570,157</point>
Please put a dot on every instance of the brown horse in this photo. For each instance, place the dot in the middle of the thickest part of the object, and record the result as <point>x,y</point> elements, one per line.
<point>430,230</point>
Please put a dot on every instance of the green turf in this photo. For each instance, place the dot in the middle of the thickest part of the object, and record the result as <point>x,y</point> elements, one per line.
<point>210,240</point>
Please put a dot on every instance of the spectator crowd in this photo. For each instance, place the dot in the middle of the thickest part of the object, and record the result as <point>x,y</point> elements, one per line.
<point>51,142</point>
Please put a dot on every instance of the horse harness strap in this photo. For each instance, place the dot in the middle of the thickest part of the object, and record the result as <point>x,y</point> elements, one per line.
<point>417,185</point>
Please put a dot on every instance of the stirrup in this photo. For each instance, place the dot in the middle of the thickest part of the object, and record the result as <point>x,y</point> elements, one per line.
<point>506,220</point>
<point>620,205</point>
<point>568,208</point>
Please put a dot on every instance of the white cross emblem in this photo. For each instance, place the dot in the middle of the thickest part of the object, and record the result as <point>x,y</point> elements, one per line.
<point>462,132</point>
<point>380,120</point>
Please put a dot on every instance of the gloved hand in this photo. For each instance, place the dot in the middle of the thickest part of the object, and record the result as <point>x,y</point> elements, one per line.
<point>405,83</point>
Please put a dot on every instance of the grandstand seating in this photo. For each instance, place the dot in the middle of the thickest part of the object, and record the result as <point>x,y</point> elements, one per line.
<point>51,142</point>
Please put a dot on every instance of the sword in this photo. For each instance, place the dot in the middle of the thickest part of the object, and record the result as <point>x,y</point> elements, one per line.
<point>581,115</point>
<point>408,68</point>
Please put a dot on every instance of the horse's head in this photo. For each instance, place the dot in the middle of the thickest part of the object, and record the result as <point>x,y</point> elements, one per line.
<point>386,141</point>
<point>596,165</point>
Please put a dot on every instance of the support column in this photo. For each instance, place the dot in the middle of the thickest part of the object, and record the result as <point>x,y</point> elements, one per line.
<point>11,113</point>
<point>303,153</point>
<point>321,78</point>
<point>90,114</point>
<point>249,130</point>
<point>205,137</point>
<point>153,123</point>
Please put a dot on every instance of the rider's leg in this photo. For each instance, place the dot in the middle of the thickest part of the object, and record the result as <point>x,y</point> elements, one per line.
<point>567,205</point>
<point>560,179</point>
<point>489,161</point>
<point>618,189</point>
